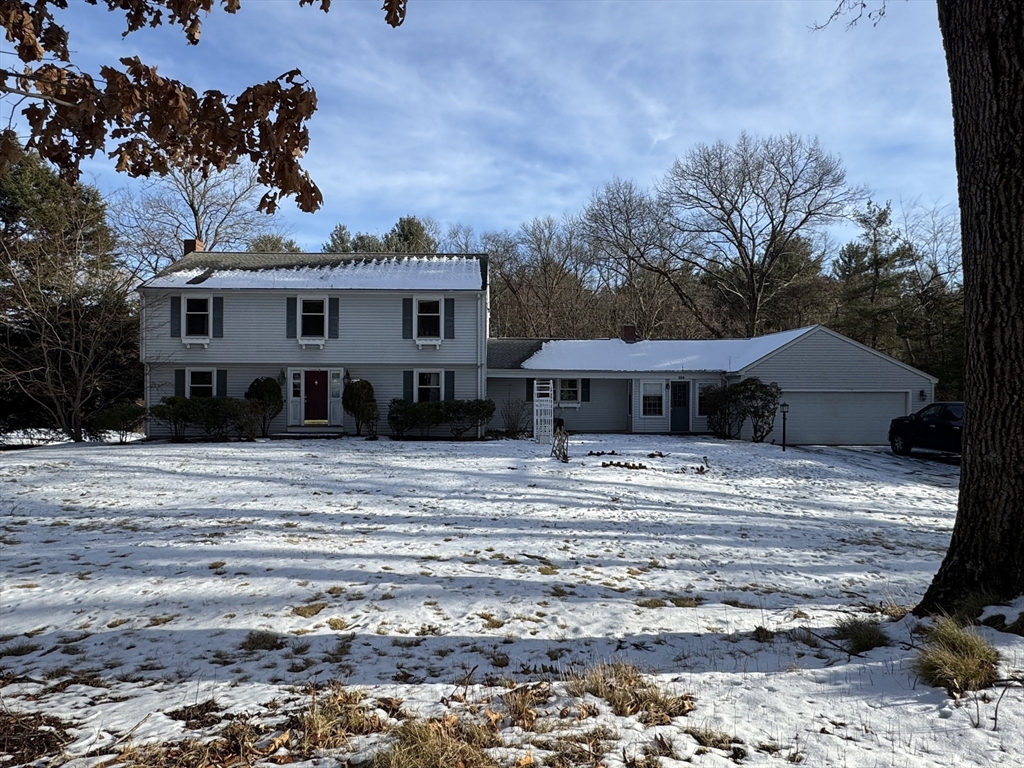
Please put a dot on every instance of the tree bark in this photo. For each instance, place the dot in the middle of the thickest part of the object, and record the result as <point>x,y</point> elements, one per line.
<point>984,42</point>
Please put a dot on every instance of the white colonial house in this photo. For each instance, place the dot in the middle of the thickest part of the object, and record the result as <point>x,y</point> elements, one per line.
<point>415,326</point>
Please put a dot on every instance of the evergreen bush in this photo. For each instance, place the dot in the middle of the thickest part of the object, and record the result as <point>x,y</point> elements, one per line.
<point>460,416</point>
<point>359,402</point>
<point>265,394</point>
<point>759,403</point>
<point>177,413</point>
<point>124,419</point>
<point>244,416</point>
<point>725,412</point>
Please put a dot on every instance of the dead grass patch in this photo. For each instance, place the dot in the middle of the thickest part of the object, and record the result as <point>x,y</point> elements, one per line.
<point>860,635</point>
<point>25,737</point>
<point>491,621</point>
<point>522,703</point>
<point>628,692</point>
<point>652,602</point>
<point>686,601</point>
<point>447,741</point>
<point>956,658</point>
<point>309,610</point>
<point>337,624</point>
<point>762,634</point>
<point>261,640</point>
<point>19,648</point>
<point>579,748</point>
<point>333,716</point>
<point>196,716</point>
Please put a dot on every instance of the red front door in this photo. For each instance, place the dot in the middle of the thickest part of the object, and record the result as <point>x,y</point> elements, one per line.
<point>315,405</point>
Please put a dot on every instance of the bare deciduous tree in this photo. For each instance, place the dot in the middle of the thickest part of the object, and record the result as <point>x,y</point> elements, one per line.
<point>741,212</point>
<point>217,208</point>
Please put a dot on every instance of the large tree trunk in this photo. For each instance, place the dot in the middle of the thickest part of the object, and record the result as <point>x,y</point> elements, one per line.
<point>984,42</point>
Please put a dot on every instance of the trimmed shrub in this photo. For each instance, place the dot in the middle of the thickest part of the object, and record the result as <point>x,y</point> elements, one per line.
<point>460,416</point>
<point>177,413</point>
<point>758,402</point>
<point>265,394</point>
<point>124,419</point>
<point>245,417</point>
<point>725,411</point>
<point>730,405</point>
<point>360,403</point>
<point>213,415</point>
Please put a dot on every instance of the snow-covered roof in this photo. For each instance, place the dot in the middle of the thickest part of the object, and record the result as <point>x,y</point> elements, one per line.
<point>325,271</point>
<point>691,355</point>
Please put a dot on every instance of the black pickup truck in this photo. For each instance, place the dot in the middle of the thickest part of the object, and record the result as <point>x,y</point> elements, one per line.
<point>937,427</point>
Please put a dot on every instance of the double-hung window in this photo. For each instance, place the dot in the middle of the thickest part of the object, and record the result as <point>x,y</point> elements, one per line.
<point>569,390</point>
<point>197,318</point>
<point>702,390</point>
<point>428,386</point>
<point>200,382</point>
<point>312,319</point>
<point>428,319</point>
<point>652,398</point>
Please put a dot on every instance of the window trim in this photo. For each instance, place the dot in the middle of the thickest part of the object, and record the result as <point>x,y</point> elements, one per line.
<point>311,341</point>
<point>188,380</point>
<point>569,403</point>
<point>423,341</point>
<point>203,340</point>
<point>416,385</point>
<point>661,392</point>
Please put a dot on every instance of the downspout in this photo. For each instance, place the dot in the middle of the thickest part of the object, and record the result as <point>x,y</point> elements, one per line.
<point>481,349</point>
<point>142,359</point>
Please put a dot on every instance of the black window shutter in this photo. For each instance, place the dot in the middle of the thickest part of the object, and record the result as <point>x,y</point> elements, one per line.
<point>176,317</point>
<point>449,318</point>
<point>585,390</point>
<point>449,385</point>
<point>218,317</point>
<point>529,389</point>
<point>332,318</point>
<point>291,305</point>
<point>406,318</point>
<point>222,383</point>
<point>407,386</point>
<point>179,382</point>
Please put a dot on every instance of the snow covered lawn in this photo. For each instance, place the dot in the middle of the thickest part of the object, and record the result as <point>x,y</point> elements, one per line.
<point>141,579</point>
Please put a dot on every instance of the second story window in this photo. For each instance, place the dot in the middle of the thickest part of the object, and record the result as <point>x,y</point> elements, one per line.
<point>428,319</point>
<point>312,320</point>
<point>197,318</point>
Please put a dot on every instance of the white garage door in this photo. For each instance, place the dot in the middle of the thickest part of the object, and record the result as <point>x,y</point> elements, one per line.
<point>840,418</point>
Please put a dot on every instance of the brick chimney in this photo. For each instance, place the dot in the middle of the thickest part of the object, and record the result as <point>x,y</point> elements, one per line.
<point>629,333</point>
<point>192,245</point>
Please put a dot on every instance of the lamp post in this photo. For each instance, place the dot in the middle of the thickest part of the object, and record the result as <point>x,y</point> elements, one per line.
<point>784,407</point>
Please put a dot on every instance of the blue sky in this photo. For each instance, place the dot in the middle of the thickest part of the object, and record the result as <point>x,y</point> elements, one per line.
<point>492,112</point>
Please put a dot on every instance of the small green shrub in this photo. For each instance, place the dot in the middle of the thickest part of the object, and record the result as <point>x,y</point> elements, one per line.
<point>244,416</point>
<point>359,402</point>
<point>956,658</point>
<point>213,415</point>
<point>860,635</point>
<point>177,413</point>
<point>265,394</point>
<point>460,416</point>
<point>124,419</point>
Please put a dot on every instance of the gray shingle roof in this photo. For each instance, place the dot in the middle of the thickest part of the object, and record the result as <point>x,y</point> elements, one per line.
<point>511,353</point>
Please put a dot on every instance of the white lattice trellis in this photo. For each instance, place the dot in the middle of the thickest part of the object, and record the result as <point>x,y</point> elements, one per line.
<point>543,411</point>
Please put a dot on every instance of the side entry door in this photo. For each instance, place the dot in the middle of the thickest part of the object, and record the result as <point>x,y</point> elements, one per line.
<point>679,407</point>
